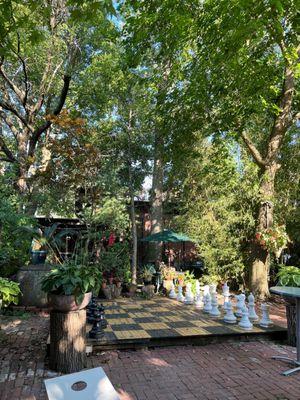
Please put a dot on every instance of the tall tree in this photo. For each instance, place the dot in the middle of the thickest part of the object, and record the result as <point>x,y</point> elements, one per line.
<point>239,76</point>
<point>39,54</point>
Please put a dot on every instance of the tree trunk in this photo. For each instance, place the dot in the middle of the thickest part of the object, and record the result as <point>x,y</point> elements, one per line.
<point>157,195</point>
<point>259,270</point>
<point>68,341</point>
<point>134,236</point>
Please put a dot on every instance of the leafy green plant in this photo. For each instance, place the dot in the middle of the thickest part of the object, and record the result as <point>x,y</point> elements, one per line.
<point>9,292</point>
<point>148,272</point>
<point>289,276</point>
<point>273,239</point>
<point>114,261</point>
<point>72,279</point>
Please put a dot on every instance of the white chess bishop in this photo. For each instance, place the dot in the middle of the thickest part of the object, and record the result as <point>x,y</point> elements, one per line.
<point>245,322</point>
<point>251,304</point>
<point>180,296</point>
<point>214,312</point>
<point>229,317</point>
<point>240,304</point>
<point>189,297</point>
<point>172,293</point>
<point>265,321</point>
<point>207,306</point>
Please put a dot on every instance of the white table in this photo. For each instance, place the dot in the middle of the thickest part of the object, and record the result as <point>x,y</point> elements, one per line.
<point>294,292</point>
<point>90,384</point>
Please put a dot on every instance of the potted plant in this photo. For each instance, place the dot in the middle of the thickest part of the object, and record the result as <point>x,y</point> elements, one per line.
<point>273,239</point>
<point>9,292</point>
<point>69,286</point>
<point>290,276</point>
<point>147,274</point>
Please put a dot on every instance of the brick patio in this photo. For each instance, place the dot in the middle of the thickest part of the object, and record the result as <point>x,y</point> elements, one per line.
<point>235,371</point>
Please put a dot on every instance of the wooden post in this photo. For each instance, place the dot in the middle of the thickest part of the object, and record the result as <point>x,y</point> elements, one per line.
<point>68,341</point>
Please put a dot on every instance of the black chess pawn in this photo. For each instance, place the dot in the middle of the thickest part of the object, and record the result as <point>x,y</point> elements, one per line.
<point>103,321</point>
<point>97,330</point>
<point>91,310</point>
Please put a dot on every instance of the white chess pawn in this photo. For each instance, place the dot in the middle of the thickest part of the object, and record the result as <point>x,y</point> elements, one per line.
<point>251,303</point>
<point>199,301</point>
<point>172,293</point>
<point>245,321</point>
<point>180,296</point>
<point>226,294</point>
<point>189,297</point>
<point>207,307</point>
<point>265,321</point>
<point>205,290</point>
<point>240,304</point>
<point>214,312</point>
<point>229,317</point>
<point>212,289</point>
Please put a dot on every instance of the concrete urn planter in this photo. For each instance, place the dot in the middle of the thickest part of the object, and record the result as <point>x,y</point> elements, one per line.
<point>60,302</point>
<point>29,278</point>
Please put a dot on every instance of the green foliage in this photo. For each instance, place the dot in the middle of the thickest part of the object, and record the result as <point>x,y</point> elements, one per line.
<point>114,261</point>
<point>147,272</point>
<point>217,208</point>
<point>72,279</point>
<point>9,292</point>
<point>289,276</point>
<point>14,244</point>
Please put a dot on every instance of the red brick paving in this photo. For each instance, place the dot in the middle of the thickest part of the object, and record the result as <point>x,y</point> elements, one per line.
<point>230,371</point>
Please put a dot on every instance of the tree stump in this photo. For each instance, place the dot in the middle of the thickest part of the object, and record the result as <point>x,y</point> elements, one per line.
<point>68,341</point>
<point>291,323</point>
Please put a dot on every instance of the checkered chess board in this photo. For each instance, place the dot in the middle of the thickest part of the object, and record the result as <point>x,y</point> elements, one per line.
<point>160,317</point>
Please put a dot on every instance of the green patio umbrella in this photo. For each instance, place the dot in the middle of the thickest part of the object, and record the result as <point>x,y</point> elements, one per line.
<point>167,236</point>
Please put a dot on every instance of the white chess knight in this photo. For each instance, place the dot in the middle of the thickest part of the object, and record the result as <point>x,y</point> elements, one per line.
<point>214,312</point>
<point>229,317</point>
<point>251,304</point>
<point>207,306</point>
<point>245,322</point>
<point>172,293</point>
<point>240,304</point>
<point>226,294</point>
<point>189,297</point>
<point>265,321</point>
<point>180,296</point>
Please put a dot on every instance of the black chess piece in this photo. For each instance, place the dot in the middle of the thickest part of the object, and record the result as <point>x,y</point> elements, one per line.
<point>103,321</point>
<point>99,324</point>
<point>91,310</point>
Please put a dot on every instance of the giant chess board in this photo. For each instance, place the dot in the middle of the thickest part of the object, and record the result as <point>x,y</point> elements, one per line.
<point>160,319</point>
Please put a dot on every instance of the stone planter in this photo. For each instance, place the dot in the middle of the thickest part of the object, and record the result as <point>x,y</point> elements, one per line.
<point>290,305</point>
<point>29,278</point>
<point>112,291</point>
<point>65,303</point>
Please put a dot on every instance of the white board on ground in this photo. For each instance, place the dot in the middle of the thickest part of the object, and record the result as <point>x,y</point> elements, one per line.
<point>91,384</point>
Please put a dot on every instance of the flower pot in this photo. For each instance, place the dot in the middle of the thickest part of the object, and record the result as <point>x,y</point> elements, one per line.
<point>38,256</point>
<point>104,284</point>
<point>65,303</point>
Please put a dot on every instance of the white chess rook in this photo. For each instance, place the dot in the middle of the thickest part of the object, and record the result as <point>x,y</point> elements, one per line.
<point>265,321</point>
<point>245,321</point>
